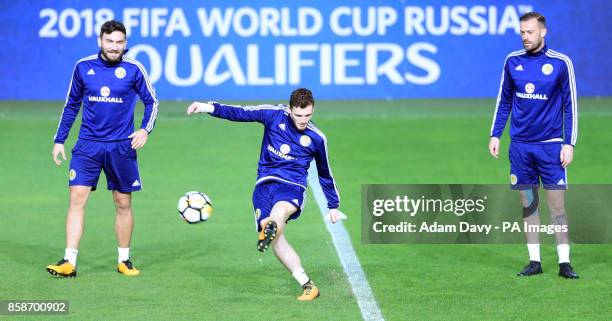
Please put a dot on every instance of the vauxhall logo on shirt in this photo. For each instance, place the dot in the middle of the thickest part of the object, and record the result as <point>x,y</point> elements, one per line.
<point>529,93</point>
<point>105,97</point>
<point>285,149</point>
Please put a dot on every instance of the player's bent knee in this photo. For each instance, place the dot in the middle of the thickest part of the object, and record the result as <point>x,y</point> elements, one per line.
<point>283,210</point>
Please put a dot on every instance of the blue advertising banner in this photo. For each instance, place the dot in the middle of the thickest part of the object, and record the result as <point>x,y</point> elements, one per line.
<point>264,49</point>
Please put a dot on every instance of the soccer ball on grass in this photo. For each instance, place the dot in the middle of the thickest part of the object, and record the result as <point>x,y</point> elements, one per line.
<point>195,207</point>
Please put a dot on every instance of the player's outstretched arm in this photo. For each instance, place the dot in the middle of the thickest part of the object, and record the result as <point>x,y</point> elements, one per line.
<point>494,146</point>
<point>58,149</point>
<point>259,113</point>
<point>198,107</point>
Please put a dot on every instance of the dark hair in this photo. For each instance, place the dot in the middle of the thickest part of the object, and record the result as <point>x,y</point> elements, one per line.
<point>301,98</point>
<point>534,15</point>
<point>112,26</point>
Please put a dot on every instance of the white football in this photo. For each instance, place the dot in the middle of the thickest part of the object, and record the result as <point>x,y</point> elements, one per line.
<point>195,207</point>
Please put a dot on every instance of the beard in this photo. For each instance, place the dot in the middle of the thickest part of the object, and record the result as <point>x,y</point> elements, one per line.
<point>113,60</point>
<point>532,46</point>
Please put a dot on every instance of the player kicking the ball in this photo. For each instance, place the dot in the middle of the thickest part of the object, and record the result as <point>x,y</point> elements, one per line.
<point>290,142</point>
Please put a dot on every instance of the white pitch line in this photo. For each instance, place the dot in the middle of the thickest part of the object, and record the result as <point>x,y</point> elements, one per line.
<point>350,263</point>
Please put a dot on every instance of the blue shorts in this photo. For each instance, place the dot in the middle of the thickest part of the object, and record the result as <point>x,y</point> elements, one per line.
<point>117,159</point>
<point>530,163</point>
<point>270,192</point>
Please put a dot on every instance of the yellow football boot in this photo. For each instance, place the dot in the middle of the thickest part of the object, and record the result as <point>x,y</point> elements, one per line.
<point>266,236</point>
<point>311,292</point>
<point>126,268</point>
<point>63,268</point>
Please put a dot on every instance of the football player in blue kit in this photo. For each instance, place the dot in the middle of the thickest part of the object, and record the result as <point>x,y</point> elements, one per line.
<point>107,84</point>
<point>290,142</point>
<point>538,90</point>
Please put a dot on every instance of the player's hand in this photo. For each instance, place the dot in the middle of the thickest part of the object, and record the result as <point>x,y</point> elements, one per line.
<point>334,215</point>
<point>494,147</point>
<point>57,150</point>
<point>567,155</point>
<point>197,107</point>
<point>139,138</point>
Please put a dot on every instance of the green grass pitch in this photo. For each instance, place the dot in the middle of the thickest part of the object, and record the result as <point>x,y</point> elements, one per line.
<point>212,271</point>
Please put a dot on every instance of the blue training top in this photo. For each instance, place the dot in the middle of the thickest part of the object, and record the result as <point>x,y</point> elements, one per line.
<point>539,89</point>
<point>108,92</point>
<point>286,152</point>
